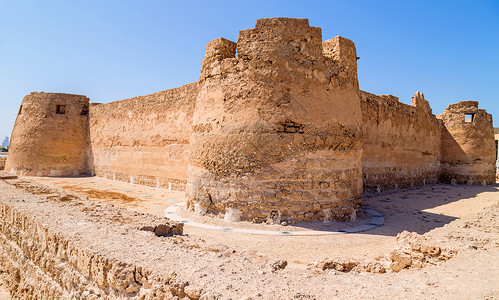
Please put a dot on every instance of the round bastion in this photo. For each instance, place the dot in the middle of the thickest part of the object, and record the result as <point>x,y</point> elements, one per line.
<point>468,148</point>
<point>276,130</point>
<point>50,136</point>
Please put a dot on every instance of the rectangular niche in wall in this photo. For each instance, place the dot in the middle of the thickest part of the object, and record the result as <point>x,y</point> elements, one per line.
<point>84,111</point>
<point>468,118</point>
<point>60,109</point>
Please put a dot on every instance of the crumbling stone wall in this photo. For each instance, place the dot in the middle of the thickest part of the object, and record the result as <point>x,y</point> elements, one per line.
<point>39,260</point>
<point>279,132</point>
<point>468,148</point>
<point>50,136</point>
<point>144,140</point>
<point>2,162</point>
<point>276,130</point>
<point>401,143</point>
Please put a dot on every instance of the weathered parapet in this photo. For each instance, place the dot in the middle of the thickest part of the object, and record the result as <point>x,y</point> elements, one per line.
<point>50,136</point>
<point>401,143</point>
<point>275,133</point>
<point>342,51</point>
<point>468,150</point>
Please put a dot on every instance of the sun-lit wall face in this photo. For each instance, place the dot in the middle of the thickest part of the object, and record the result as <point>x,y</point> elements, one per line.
<point>276,130</point>
<point>144,140</point>
<point>50,136</point>
<point>401,143</point>
<point>468,147</point>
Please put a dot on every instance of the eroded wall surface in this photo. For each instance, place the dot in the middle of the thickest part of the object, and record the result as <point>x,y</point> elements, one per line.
<point>50,136</point>
<point>401,143</point>
<point>276,131</point>
<point>144,140</point>
<point>279,132</point>
<point>41,260</point>
<point>468,147</point>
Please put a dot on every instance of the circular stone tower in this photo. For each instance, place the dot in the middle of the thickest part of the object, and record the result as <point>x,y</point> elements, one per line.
<point>468,150</point>
<point>275,133</point>
<point>50,136</point>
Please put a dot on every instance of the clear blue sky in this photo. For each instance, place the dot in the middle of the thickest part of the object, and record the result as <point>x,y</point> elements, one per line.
<point>114,49</point>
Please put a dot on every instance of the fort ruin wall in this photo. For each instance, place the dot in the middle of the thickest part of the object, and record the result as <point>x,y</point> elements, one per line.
<point>2,162</point>
<point>144,140</point>
<point>276,129</point>
<point>50,136</point>
<point>46,258</point>
<point>401,143</point>
<point>468,147</point>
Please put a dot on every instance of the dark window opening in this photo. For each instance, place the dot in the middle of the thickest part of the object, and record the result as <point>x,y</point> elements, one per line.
<point>289,126</point>
<point>469,118</point>
<point>497,149</point>
<point>20,110</point>
<point>84,111</point>
<point>60,109</point>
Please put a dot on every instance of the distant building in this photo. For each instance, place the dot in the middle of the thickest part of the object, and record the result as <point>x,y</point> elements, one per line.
<point>5,142</point>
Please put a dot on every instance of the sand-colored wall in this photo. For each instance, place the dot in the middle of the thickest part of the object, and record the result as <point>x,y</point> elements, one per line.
<point>401,143</point>
<point>144,140</point>
<point>2,162</point>
<point>50,136</point>
<point>276,131</point>
<point>279,132</point>
<point>468,147</point>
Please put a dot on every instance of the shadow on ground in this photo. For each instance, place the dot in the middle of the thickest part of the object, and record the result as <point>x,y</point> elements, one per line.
<point>426,208</point>
<point>421,209</point>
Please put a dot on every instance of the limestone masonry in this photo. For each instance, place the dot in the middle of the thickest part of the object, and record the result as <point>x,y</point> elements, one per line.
<point>2,162</point>
<point>276,129</point>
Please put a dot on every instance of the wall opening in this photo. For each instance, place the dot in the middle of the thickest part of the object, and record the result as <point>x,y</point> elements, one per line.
<point>469,118</point>
<point>84,111</point>
<point>497,150</point>
<point>60,109</point>
<point>20,110</point>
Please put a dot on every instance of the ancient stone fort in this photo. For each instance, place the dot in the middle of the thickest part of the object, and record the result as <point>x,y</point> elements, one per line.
<point>275,129</point>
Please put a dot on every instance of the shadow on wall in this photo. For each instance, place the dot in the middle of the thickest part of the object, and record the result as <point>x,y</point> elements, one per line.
<point>453,154</point>
<point>90,152</point>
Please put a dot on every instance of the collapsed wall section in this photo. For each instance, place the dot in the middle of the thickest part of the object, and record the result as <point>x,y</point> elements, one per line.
<point>144,140</point>
<point>276,130</point>
<point>468,149</point>
<point>401,143</point>
<point>50,136</point>
<point>84,253</point>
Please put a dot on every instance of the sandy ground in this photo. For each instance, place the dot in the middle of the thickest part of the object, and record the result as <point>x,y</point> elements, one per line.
<point>419,210</point>
<point>463,217</point>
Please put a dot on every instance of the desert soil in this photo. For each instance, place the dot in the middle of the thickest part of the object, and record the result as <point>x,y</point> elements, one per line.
<point>464,218</point>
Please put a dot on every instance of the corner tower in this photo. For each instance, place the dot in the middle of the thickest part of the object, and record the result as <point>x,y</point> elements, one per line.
<point>468,150</point>
<point>275,134</point>
<point>50,136</point>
